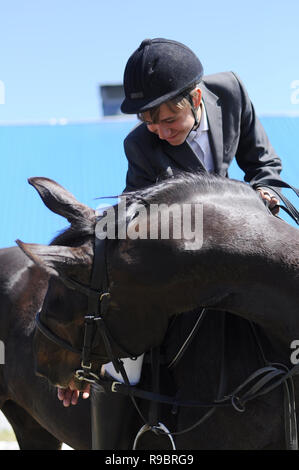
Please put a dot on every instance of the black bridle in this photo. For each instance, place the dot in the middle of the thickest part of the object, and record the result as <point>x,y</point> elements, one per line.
<point>94,322</point>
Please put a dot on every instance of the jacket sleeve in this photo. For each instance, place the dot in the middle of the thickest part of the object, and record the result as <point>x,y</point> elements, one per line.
<point>255,155</point>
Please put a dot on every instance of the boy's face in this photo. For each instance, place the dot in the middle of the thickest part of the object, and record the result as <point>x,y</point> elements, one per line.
<point>173,124</point>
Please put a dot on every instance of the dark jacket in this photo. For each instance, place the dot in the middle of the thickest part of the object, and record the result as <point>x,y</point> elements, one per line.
<point>234,131</point>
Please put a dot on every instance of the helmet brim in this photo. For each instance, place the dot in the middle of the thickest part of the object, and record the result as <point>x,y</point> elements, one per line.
<point>130,106</point>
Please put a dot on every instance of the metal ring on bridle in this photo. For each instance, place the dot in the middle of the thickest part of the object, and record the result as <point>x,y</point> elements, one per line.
<point>80,374</point>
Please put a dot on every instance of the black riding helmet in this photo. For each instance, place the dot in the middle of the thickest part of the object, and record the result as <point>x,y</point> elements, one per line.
<point>158,71</point>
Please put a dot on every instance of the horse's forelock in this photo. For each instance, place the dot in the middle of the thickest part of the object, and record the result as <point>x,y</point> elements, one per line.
<point>73,234</point>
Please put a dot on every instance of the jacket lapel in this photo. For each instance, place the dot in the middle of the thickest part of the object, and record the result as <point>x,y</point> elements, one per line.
<point>214,116</point>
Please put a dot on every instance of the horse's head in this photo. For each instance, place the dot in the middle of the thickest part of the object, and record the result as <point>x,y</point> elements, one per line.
<point>59,335</point>
<point>70,255</point>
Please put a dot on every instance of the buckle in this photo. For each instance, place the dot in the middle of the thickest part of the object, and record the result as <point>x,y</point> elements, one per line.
<point>114,385</point>
<point>82,376</point>
<point>85,366</point>
<point>79,374</point>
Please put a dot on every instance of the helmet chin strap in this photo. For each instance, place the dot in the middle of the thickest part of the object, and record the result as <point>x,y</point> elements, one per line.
<point>194,112</point>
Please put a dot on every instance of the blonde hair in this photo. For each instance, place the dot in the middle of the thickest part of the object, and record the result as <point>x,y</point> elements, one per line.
<point>181,101</point>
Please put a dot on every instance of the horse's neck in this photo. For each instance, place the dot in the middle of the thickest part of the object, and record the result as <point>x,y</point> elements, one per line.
<point>256,278</point>
<point>248,271</point>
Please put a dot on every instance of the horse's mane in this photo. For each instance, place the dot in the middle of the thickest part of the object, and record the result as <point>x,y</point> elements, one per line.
<point>185,184</point>
<point>182,187</point>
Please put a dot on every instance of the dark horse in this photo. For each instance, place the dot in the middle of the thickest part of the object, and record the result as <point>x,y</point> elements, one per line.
<point>29,402</point>
<point>247,264</point>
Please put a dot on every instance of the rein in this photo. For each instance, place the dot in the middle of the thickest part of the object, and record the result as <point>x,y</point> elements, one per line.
<point>288,206</point>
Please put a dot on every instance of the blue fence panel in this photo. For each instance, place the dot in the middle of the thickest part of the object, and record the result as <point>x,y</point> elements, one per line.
<point>88,159</point>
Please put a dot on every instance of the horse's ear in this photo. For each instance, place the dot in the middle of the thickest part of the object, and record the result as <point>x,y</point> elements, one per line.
<point>61,201</point>
<point>55,260</point>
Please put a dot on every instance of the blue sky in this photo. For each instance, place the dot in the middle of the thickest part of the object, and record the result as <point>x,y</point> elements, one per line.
<point>54,54</point>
